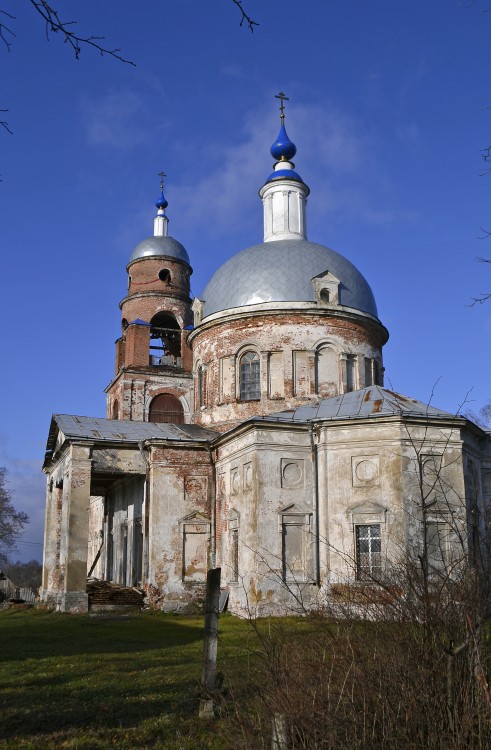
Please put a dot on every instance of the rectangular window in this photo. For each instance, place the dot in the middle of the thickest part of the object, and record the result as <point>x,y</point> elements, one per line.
<point>201,387</point>
<point>234,555</point>
<point>369,371</point>
<point>250,386</point>
<point>368,551</point>
<point>376,373</point>
<point>350,372</point>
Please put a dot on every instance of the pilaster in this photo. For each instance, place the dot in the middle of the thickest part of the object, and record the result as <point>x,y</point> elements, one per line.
<point>75,530</point>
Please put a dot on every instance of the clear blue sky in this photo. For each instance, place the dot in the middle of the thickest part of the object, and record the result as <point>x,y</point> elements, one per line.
<point>387,108</point>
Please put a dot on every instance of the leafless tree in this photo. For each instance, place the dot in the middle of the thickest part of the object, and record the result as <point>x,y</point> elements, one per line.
<point>12,521</point>
<point>400,659</point>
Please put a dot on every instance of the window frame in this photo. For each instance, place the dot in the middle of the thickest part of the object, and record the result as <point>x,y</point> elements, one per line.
<point>248,392</point>
<point>364,572</point>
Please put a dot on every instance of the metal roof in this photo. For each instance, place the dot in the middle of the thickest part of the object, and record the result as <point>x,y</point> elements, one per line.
<point>166,247</point>
<point>282,271</point>
<point>127,431</point>
<point>367,402</point>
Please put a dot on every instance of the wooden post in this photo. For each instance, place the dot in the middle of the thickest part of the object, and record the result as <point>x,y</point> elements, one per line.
<point>210,642</point>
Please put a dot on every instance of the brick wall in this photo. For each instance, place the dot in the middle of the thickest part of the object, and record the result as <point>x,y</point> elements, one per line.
<point>288,346</point>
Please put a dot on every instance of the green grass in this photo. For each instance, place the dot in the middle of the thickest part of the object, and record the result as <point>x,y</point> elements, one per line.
<point>80,682</point>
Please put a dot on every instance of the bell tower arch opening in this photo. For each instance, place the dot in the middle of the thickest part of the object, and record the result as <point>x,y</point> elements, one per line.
<point>165,339</point>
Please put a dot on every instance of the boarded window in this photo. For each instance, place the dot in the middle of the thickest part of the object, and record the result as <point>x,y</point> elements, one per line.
<point>368,551</point>
<point>250,387</point>
<point>295,539</point>
<point>227,378</point>
<point>300,374</point>
<point>327,372</point>
<point>276,380</point>
<point>195,547</point>
<point>166,408</point>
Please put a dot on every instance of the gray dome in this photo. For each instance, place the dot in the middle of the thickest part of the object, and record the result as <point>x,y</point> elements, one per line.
<point>166,247</point>
<point>282,271</point>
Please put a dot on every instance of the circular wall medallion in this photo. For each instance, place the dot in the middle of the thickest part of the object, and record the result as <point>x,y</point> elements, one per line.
<point>366,471</point>
<point>292,473</point>
<point>235,481</point>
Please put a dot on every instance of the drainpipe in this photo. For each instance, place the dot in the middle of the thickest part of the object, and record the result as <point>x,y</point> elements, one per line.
<point>146,504</point>
<point>315,503</point>
<point>213,541</point>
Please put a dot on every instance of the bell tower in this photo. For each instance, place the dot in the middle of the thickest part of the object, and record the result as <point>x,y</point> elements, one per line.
<point>153,373</point>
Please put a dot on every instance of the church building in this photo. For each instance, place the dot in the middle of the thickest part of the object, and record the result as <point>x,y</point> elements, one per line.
<point>250,429</point>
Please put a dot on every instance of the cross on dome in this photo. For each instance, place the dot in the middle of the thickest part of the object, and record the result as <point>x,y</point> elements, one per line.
<point>283,98</point>
<point>161,202</point>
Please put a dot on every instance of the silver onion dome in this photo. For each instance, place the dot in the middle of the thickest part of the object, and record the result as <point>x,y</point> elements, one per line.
<point>165,247</point>
<point>282,271</point>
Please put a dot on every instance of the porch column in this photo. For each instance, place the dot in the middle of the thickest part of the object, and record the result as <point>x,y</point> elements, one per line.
<point>75,531</point>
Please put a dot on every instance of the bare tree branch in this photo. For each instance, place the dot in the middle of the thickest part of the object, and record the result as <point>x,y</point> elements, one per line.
<point>245,19</point>
<point>4,123</point>
<point>480,300</point>
<point>485,296</point>
<point>6,29</point>
<point>55,25</point>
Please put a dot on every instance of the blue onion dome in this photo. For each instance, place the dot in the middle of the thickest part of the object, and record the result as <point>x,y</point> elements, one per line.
<point>283,149</point>
<point>161,202</point>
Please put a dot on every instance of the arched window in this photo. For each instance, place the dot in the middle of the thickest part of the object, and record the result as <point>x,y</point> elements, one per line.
<point>166,408</point>
<point>115,409</point>
<point>250,387</point>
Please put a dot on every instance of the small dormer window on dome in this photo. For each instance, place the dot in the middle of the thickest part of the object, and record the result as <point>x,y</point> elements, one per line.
<point>326,288</point>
